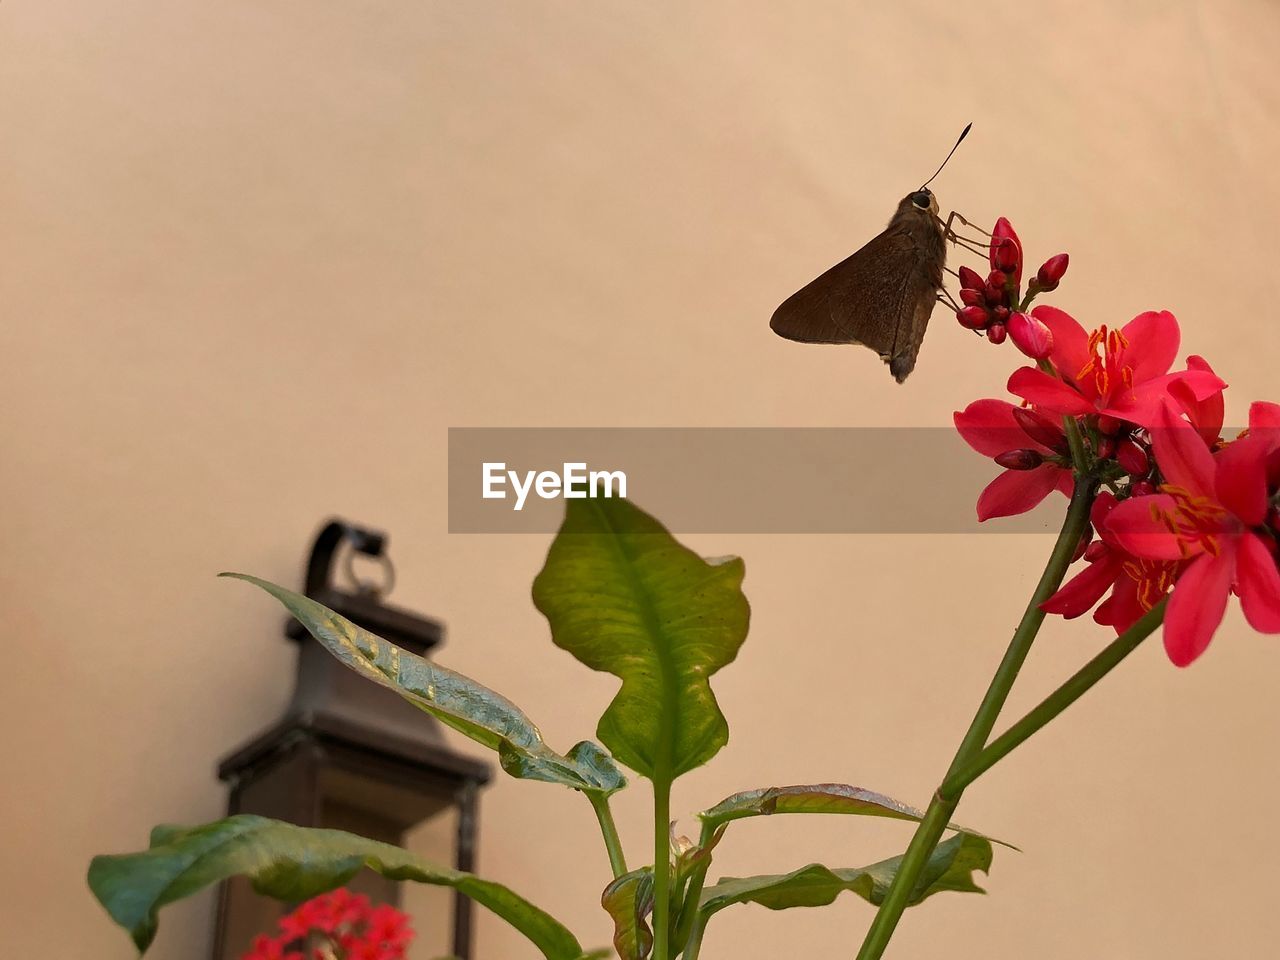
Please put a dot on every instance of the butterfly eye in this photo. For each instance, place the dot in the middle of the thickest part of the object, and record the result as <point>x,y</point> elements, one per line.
<point>922,198</point>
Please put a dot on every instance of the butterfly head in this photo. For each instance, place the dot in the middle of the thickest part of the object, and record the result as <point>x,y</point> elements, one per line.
<point>923,199</point>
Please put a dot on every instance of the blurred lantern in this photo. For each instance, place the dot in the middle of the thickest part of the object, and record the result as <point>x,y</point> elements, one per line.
<point>352,755</point>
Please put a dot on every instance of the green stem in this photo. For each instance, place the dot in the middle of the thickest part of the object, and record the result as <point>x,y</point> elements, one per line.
<point>609,830</point>
<point>694,945</point>
<point>939,812</point>
<point>689,913</point>
<point>661,869</point>
<point>1067,694</point>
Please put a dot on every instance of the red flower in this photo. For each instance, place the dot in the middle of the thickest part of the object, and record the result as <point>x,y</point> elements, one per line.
<point>387,925</point>
<point>1214,515</point>
<point>991,428</point>
<point>349,923</point>
<point>1121,373</point>
<point>1136,584</point>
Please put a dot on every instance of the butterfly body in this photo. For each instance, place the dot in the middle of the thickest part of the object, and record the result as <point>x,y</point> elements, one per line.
<point>882,296</point>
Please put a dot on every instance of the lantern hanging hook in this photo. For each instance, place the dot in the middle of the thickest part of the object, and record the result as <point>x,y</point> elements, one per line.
<point>370,543</point>
<point>366,586</point>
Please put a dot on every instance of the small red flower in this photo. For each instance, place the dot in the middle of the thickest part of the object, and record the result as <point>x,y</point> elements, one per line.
<point>349,924</point>
<point>1121,373</point>
<point>991,428</point>
<point>1212,514</point>
<point>1135,584</point>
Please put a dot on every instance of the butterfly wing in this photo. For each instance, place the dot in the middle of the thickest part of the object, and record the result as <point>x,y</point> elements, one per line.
<point>881,297</point>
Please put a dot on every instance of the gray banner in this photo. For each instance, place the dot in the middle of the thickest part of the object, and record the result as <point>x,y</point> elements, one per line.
<point>739,480</point>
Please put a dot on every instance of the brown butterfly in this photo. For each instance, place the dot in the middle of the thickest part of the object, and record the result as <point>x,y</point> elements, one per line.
<point>883,295</point>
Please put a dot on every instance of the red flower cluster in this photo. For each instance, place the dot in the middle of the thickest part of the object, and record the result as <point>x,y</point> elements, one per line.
<point>1182,512</point>
<point>996,305</point>
<point>349,926</point>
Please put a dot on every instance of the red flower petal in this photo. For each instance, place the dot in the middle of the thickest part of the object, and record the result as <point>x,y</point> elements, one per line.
<point>1263,415</point>
<point>1199,600</point>
<point>1070,340</point>
<point>1103,504</point>
<point>1204,385</point>
<point>1134,526</point>
<point>1122,609</point>
<point>1206,415</point>
<point>1017,491</point>
<point>988,427</point>
<point>1141,404</point>
<point>1048,393</point>
<point>1241,479</point>
<point>1264,424</point>
<point>1081,592</point>
<point>1181,454</point>
<point>1153,343</point>
<point>1258,583</point>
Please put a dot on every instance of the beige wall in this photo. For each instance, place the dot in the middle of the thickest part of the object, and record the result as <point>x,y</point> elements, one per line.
<point>256,257</point>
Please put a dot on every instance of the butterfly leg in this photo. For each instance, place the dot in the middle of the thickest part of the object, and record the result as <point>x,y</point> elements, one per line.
<point>956,215</point>
<point>973,246</point>
<point>967,243</point>
<point>945,297</point>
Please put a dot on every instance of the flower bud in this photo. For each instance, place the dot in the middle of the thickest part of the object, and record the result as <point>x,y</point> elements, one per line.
<point>1106,448</point>
<point>1030,335</point>
<point>1000,234</point>
<point>1095,551</point>
<point>996,333</point>
<point>1004,255</point>
<point>1050,273</point>
<point>974,318</point>
<point>1001,313</point>
<point>972,298</point>
<point>1110,425</point>
<point>1133,458</point>
<point>1041,429</point>
<point>995,288</point>
<point>1086,541</point>
<point>1141,488</point>
<point>1025,459</point>
<point>970,279</point>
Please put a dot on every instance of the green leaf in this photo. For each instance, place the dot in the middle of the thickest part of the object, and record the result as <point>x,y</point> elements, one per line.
<point>289,863</point>
<point>467,706</point>
<point>629,901</point>
<point>950,867</point>
<point>829,798</point>
<point>624,597</point>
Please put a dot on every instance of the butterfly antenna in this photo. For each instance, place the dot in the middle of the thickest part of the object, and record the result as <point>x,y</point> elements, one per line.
<point>963,133</point>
